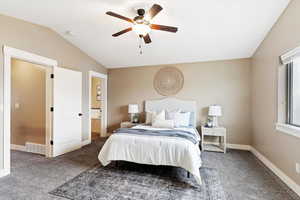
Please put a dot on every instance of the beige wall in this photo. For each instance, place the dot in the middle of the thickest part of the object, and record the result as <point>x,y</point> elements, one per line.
<point>45,42</point>
<point>28,90</point>
<point>281,149</point>
<point>223,82</point>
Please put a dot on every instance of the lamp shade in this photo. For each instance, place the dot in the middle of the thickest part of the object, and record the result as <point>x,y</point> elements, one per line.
<point>215,111</point>
<point>133,108</point>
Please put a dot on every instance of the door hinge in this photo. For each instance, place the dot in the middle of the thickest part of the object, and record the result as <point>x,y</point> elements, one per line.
<point>51,142</point>
<point>51,109</point>
<point>52,76</point>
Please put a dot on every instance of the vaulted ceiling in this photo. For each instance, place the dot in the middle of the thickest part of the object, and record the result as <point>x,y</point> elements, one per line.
<point>208,29</point>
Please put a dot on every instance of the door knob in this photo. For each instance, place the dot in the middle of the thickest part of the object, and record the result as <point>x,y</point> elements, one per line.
<point>80,114</point>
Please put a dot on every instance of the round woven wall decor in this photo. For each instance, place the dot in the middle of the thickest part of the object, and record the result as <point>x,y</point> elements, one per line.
<point>168,81</point>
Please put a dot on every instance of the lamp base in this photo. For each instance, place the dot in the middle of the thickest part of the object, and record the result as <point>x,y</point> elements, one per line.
<point>134,118</point>
<point>215,122</point>
<point>131,117</point>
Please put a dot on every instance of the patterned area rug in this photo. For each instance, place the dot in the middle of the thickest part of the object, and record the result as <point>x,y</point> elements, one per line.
<point>135,182</point>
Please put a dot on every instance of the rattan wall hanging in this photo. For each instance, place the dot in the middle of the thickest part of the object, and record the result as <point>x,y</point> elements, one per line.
<point>168,81</point>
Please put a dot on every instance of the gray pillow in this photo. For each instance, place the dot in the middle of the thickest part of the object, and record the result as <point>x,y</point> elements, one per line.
<point>192,118</point>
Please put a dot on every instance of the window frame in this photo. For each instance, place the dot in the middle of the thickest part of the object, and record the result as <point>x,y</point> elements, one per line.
<point>284,91</point>
<point>289,95</point>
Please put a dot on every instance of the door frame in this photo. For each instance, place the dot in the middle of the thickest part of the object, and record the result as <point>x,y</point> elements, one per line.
<point>104,111</point>
<point>10,53</point>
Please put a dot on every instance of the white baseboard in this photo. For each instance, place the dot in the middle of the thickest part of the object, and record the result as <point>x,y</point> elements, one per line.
<point>30,147</point>
<point>18,147</point>
<point>86,142</point>
<point>287,180</point>
<point>35,148</point>
<point>4,172</point>
<point>243,147</point>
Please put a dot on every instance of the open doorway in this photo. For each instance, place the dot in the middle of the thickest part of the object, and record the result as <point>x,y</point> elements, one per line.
<point>63,108</point>
<point>28,106</point>
<point>97,105</point>
<point>50,65</point>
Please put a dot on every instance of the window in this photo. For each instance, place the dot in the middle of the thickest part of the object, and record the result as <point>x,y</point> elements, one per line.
<point>293,92</point>
<point>288,94</point>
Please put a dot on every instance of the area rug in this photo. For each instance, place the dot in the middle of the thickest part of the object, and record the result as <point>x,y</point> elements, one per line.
<point>135,182</point>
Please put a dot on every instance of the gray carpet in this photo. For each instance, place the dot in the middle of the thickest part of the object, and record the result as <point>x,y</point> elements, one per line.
<point>33,176</point>
<point>136,182</point>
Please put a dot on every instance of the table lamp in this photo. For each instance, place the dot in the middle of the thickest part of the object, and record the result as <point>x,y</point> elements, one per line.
<point>133,109</point>
<point>215,111</point>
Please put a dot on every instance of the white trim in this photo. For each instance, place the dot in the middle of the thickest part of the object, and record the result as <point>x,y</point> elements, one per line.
<point>104,111</point>
<point>18,147</point>
<point>4,172</point>
<point>98,74</point>
<point>35,148</point>
<point>243,147</point>
<point>30,147</point>
<point>49,116</point>
<point>288,129</point>
<point>290,55</point>
<point>287,180</point>
<point>10,53</point>
<point>86,142</point>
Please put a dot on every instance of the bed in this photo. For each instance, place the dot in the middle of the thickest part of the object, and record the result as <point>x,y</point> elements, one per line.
<point>150,149</point>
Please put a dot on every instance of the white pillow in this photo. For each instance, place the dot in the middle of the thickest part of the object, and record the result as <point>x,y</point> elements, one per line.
<point>152,116</point>
<point>159,116</point>
<point>182,119</point>
<point>170,115</point>
<point>163,124</point>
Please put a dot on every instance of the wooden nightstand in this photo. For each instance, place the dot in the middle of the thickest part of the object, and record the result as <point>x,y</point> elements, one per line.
<point>128,124</point>
<point>219,132</point>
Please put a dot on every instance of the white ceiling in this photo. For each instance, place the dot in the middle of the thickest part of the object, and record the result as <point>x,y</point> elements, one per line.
<point>208,29</point>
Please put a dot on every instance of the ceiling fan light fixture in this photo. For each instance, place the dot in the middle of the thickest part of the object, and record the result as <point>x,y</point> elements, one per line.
<point>141,24</point>
<point>141,29</point>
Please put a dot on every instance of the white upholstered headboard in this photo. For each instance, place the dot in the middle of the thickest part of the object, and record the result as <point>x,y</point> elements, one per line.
<point>172,104</point>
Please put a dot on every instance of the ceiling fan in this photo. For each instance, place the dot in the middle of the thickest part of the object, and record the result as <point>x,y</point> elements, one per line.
<point>141,24</point>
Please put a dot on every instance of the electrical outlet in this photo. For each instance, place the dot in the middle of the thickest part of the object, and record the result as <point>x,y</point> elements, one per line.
<point>298,168</point>
<point>17,105</point>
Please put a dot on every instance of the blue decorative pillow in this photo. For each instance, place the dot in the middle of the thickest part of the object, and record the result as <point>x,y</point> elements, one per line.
<point>192,118</point>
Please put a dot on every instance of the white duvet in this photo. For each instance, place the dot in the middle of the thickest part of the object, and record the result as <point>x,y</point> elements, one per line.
<point>153,150</point>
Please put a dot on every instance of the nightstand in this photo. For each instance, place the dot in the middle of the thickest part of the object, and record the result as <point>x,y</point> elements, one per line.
<point>219,132</point>
<point>128,124</point>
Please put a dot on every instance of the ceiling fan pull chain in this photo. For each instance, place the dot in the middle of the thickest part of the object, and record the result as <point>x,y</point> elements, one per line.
<point>140,45</point>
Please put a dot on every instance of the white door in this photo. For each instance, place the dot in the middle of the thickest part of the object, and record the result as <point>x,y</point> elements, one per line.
<point>67,122</point>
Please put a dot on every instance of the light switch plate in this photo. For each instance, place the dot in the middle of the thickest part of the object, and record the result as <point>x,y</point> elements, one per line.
<point>17,105</point>
<point>298,168</point>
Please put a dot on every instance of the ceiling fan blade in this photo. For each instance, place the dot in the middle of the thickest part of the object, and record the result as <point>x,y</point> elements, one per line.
<point>122,32</point>
<point>154,10</point>
<point>164,28</point>
<point>147,39</point>
<point>119,16</point>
